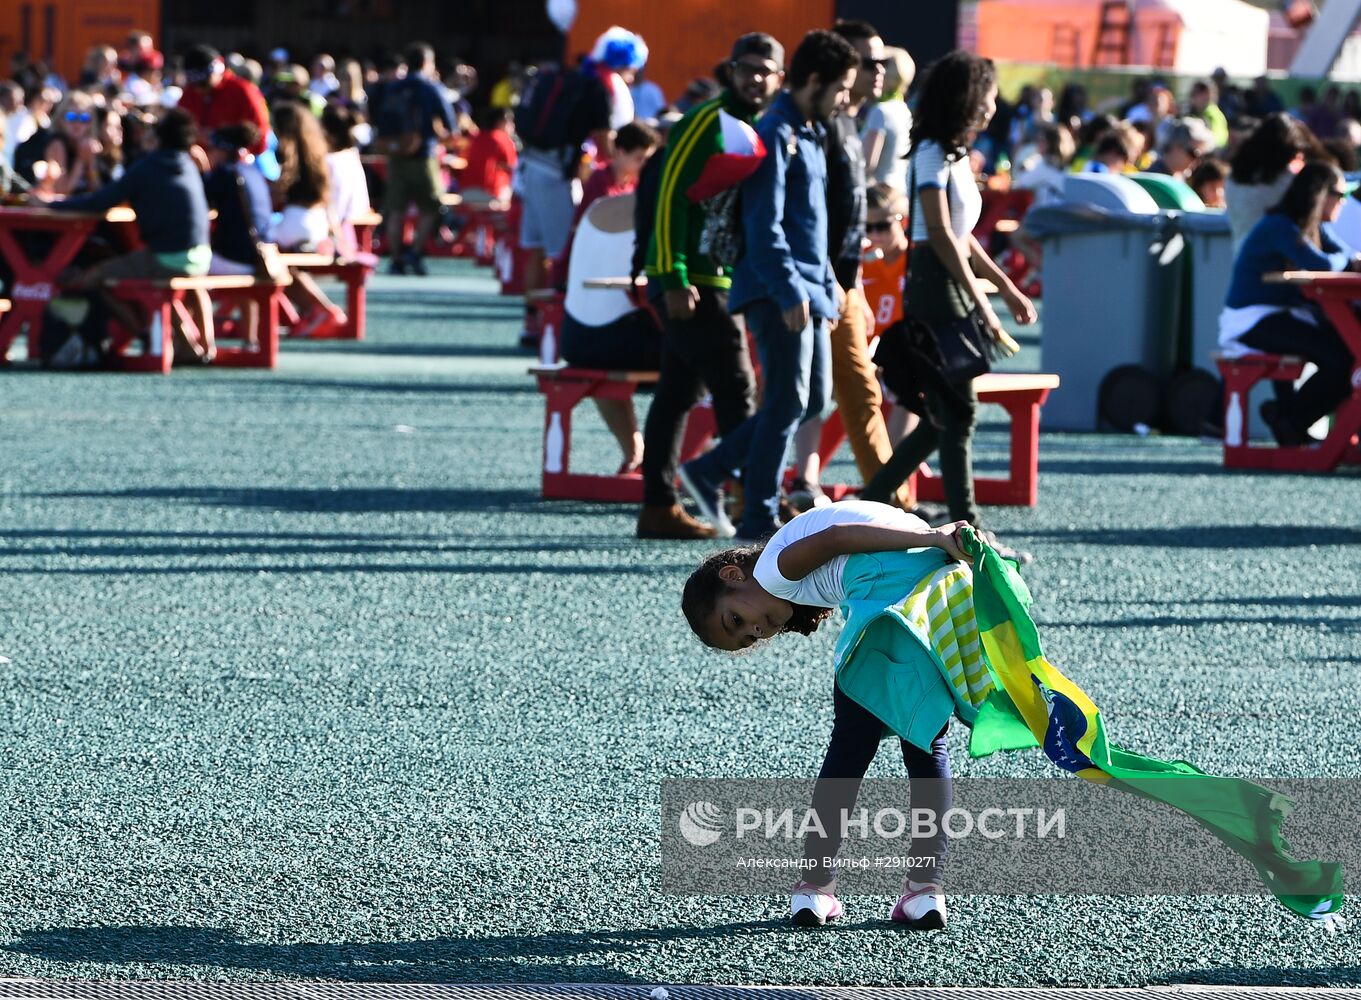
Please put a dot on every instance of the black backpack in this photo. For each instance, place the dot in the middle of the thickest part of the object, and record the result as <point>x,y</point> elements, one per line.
<point>399,124</point>
<point>548,118</point>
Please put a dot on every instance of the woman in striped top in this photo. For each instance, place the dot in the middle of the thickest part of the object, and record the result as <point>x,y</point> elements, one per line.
<point>958,99</point>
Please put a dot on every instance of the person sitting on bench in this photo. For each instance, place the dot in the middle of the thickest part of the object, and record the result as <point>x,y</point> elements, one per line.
<point>491,160</point>
<point>349,186</point>
<point>307,223</point>
<point>239,193</point>
<point>165,189</point>
<point>1295,234</point>
<point>634,145</point>
<point>605,328</point>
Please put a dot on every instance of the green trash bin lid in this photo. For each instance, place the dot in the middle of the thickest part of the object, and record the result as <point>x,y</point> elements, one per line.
<point>1169,192</point>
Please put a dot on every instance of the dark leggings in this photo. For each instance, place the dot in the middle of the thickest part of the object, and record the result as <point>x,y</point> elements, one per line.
<point>954,440</point>
<point>1326,390</point>
<point>855,740</point>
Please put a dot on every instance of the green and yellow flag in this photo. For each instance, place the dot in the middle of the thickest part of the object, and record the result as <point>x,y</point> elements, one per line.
<point>1034,704</point>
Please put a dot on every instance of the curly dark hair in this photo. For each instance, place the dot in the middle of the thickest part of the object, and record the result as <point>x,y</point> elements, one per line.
<point>951,99</point>
<point>825,53</point>
<point>702,590</point>
<point>1263,155</point>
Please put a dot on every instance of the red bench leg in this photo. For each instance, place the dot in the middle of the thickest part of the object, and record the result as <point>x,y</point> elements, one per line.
<point>270,300</point>
<point>356,303</point>
<point>167,310</point>
<point>1022,484</point>
<point>559,401</point>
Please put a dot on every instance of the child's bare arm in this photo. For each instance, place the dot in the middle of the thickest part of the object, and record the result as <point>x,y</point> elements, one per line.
<point>802,557</point>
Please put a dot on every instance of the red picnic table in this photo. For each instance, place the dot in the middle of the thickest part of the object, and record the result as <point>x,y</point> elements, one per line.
<point>1336,294</point>
<point>35,281</point>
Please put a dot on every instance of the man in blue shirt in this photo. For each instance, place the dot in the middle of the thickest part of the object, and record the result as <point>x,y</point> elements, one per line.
<point>785,286</point>
<point>413,120</point>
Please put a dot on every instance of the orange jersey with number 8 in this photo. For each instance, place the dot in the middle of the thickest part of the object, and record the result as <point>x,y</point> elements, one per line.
<point>884,284</point>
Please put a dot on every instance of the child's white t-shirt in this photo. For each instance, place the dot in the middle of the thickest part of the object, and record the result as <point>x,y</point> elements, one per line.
<point>823,587</point>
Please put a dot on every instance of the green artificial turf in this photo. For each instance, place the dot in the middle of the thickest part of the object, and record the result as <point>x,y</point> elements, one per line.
<point>305,680</point>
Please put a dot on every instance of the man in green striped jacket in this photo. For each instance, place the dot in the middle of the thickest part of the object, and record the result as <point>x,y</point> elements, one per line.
<point>703,347</point>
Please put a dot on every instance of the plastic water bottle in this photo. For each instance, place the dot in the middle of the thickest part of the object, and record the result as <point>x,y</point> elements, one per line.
<point>548,346</point>
<point>553,445</point>
<point>1233,422</point>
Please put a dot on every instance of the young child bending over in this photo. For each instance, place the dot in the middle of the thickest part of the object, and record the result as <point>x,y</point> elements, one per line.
<point>885,569</point>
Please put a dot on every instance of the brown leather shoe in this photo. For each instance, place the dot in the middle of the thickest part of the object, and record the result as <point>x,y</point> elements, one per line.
<point>672,523</point>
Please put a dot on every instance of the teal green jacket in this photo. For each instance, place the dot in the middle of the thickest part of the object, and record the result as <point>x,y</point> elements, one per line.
<point>883,661</point>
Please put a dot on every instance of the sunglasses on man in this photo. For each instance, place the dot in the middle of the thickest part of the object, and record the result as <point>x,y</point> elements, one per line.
<point>79,116</point>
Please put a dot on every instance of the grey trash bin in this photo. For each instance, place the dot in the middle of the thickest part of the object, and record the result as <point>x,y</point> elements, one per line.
<point>1210,246</point>
<point>1112,280</point>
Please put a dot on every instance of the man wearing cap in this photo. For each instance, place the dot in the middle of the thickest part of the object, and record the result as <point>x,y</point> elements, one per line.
<point>215,96</point>
<point>703,346</point>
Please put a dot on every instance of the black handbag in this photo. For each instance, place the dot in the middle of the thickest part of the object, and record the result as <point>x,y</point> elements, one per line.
<point>966,347</point>
<point>909,355</point>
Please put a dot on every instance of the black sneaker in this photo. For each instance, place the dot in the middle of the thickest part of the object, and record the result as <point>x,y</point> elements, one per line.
<point>1283,429</point>
<point>398,264</point>
<point>415,264</point>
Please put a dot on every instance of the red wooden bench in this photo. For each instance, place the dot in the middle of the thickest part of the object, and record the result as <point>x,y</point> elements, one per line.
<point>508,260</point>
<point>1240,375</point>
<point>354,274</point>
<point>1021,395</point>
<point>563,388</point>
<point>164,300</point>
<point>365,226</point>
<point>550,309</point>
<point>486,223</point>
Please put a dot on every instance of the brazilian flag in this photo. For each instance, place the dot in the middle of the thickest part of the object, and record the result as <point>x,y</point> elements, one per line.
<point>1034,704</point>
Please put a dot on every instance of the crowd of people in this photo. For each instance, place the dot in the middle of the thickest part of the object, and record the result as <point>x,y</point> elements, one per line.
<point>900,161</point>
<point>733,236</point>
<point>816,205</point>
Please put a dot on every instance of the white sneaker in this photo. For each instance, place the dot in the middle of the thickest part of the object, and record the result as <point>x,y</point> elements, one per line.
<point>922,908</point>
<point>813,906</point>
